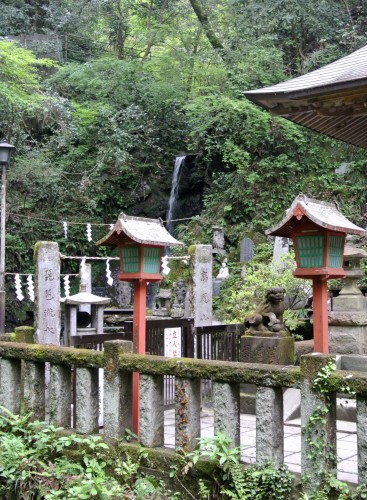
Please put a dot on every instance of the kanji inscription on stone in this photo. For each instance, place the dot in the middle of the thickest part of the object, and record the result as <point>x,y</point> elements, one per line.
<point>47,293</point>
<point>202,285</point>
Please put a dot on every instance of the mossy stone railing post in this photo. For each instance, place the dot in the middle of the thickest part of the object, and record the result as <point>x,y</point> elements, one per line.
<point>269,425</point>
<point>59,404</point>
<point>362,438</point>
<point>24,334</point>
<point>187,413</point>
<point>117,397</point>
<point>34,389</point>
<point>226,403</point>
<point>318,419</point>
<point>10,384</point>
<point>86,419</point>
<point>151,410</point>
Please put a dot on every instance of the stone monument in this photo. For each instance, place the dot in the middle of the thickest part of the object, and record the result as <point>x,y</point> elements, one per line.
<point>268,340</point>
<point>246,253</point>
<point>246,250</point>
<point>218,240</point>
<point>124,294</point>
<point>47,293</point>
<point>281,248</point>
<point>201,296</point>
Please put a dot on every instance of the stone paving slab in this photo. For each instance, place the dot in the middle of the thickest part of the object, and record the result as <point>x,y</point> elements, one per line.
<point>346,442</point>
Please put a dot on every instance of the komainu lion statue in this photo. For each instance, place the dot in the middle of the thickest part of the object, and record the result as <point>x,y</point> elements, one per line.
<point>267,320</point>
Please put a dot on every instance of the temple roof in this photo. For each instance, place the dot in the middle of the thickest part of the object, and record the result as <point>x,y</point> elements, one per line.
<point>331,100</point>
<point>141,230</point>
<point>321,213</point>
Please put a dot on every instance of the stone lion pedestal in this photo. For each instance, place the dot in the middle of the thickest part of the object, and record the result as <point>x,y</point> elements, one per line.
<point>267,341</point>
<point>268,350</point>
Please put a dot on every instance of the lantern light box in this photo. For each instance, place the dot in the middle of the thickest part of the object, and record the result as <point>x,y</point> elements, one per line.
<point>140,243</point>
<point>318,232</point>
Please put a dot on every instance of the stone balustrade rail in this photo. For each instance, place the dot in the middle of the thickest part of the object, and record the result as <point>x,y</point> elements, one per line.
<point>39,378</point>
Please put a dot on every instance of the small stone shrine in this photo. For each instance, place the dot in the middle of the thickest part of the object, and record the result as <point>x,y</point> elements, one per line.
<point>80,322</point>
<point>348,317</point>
<point>163,302</point>
<point>268,340</point>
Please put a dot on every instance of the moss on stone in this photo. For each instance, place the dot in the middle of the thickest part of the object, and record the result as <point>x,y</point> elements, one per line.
<point>191,250</point>
<point>311,364</point>
<point>54,354</point>
<point>221,371</point>
<point>24,334</point>
<point>356,382</point>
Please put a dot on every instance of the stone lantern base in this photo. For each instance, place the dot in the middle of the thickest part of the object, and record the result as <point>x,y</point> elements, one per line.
<point>348,332</point>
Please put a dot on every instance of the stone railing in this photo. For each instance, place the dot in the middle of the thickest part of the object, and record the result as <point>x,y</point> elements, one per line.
<point>26,370</point>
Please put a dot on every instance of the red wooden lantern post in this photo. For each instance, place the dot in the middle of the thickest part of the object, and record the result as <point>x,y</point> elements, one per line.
<point>140,244</point>
<point>318,232</point>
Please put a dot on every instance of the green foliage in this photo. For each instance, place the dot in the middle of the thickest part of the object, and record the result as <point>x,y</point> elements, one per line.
<point>34,461</point>
<point>244,289</point>
<point>139,83</point>
<point>38,461</point>
<point>329,486</point>
<point>257,482</point>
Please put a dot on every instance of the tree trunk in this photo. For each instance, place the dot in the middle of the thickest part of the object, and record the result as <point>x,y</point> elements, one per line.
<point>208,30</point>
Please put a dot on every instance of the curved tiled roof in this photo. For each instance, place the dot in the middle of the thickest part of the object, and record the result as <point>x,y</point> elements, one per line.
<point>331,100</point>
<point>141,230</point>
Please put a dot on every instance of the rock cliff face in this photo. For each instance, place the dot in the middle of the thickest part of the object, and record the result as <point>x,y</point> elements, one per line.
<point>156,192</point>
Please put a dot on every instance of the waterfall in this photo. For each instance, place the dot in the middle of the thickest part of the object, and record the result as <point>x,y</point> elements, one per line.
<point>174,190</point>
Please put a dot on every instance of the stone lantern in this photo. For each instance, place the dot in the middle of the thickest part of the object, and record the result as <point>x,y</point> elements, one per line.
<point>318,232</point>
<point>350,297</point>
<point>76,322</point>
<point>348,317</point>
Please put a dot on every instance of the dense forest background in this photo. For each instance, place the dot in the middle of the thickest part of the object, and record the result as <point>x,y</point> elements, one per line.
<point>100,96</point>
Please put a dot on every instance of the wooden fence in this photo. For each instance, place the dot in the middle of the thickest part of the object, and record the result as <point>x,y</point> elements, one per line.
<point>217,342</point>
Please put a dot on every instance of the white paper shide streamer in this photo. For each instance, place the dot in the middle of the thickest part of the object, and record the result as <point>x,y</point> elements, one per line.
<point>108,273</point>
<point>65,227</point>
<point>30,287</point>
<point>18,287</point>
<point>112,226</point>
<point>84,273</point>
<point>89,232</point>
<point>165,267</point>
<point>67,285</point>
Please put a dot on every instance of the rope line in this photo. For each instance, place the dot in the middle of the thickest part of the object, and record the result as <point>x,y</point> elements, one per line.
<point>88,258</point>
<point>83,223</point>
